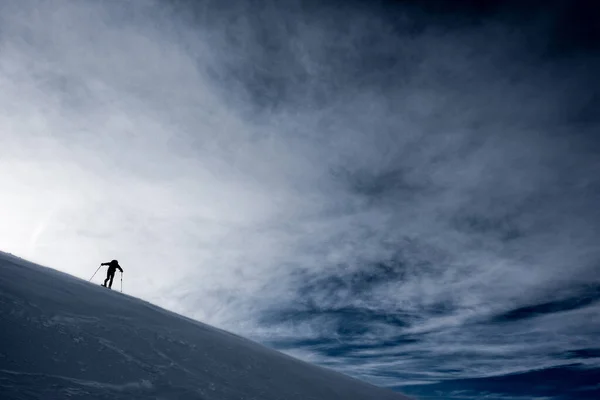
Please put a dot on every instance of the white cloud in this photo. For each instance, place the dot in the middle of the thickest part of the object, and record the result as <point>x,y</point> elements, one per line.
<point>226,177</point>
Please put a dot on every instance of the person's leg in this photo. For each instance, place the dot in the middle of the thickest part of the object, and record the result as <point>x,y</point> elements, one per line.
<point>112,276</point>
<point>106,280</point>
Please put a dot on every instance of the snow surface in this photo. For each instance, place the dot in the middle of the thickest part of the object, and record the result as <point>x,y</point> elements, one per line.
<point>64,338</point>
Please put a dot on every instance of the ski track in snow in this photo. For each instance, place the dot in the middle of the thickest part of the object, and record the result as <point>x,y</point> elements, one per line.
<point>143,384</point>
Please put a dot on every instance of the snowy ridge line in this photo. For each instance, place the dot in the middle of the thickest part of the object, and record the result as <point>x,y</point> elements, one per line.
<point>63,337</point>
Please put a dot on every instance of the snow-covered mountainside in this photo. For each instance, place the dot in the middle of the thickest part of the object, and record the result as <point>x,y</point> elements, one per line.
<point>64,338</point>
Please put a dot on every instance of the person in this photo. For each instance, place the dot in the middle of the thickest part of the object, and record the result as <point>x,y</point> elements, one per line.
<point>113,266</point>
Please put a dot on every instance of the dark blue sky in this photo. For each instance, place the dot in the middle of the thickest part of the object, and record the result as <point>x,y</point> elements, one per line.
<point>478,135</point>
<point>404,191</point>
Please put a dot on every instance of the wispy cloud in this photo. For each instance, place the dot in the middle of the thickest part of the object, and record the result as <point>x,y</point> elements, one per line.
<point>370,192</point>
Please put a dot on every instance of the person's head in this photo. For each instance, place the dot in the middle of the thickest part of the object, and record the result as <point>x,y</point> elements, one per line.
<point>114,262</point>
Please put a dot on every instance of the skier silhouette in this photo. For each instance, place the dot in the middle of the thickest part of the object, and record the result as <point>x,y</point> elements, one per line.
<point>113,266</point>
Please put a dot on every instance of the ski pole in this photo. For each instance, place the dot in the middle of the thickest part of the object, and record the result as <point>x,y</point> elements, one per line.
<point>121,281</point>
<point>95,273</point>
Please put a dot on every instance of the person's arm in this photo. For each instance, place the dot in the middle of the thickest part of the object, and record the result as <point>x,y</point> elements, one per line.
<point>120,269</point>
<point>104,264</point>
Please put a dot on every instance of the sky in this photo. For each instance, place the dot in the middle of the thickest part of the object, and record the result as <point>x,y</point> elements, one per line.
<point>406,192</point>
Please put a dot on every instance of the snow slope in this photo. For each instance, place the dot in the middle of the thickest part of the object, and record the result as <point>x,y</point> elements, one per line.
<point>64,338</point>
